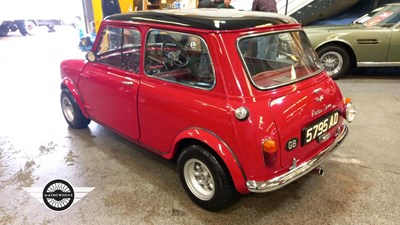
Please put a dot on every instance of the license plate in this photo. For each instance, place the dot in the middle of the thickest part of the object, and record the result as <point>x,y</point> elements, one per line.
<point>320,127</point>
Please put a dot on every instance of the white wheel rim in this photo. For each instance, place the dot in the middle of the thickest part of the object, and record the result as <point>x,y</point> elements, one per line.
<point>67,108</point>
<point>30,26</point>
<point>199,179</point>
<point>332,61</point>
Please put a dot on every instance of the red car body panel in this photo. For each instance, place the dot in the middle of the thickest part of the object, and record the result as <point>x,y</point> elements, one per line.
<point>111,97</point>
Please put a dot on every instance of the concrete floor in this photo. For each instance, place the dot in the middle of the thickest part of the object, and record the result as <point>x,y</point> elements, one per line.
<point>132,186</point>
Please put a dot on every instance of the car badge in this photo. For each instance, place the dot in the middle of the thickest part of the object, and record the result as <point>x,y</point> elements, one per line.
<point>316,91</point>
<point>319,98</point>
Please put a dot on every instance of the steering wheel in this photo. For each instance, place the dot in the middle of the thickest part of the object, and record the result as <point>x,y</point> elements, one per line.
<point>175,53</point>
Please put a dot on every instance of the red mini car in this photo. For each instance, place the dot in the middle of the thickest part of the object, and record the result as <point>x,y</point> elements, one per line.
<point>239,99</point>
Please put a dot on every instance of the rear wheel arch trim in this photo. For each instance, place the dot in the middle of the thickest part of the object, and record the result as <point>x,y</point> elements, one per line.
<point>71,87</point>
<point>213,142</point>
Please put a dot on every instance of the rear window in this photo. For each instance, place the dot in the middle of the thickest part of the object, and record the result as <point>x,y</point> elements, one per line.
<point>387,17</point>
<point>276,59</point>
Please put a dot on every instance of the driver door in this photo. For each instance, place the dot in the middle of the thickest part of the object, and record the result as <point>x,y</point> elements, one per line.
<point>394,48</point>
<point>109,85</point>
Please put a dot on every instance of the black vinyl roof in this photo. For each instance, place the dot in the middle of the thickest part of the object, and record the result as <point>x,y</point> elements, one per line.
<point>209,19</point>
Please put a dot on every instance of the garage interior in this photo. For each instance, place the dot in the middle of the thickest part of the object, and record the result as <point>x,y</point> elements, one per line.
<point>361,184</point>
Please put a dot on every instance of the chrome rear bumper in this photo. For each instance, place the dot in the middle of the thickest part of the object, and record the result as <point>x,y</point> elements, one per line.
<point>299,171</point>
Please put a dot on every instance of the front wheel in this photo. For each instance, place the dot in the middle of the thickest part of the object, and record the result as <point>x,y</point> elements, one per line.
<point>335,60</point>
<point>205,179</point>
<point>71,111</point>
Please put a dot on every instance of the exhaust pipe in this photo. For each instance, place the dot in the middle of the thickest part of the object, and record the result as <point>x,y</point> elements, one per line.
<point>320,171</point>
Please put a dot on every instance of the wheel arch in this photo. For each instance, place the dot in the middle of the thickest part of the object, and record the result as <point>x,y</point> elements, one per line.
<point>69,85</point>
<point>216,146</point>
<point>346,46</point>
<point>23,21</point>
<point>34,21</point>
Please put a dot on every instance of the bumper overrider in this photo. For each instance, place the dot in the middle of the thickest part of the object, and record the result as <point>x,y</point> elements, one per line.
<point>299,171</point>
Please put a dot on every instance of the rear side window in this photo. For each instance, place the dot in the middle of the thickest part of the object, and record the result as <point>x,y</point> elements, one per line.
<point>387,17</point>
<point>277,59</point>
<point>180,58</point>
<point>120,47</point>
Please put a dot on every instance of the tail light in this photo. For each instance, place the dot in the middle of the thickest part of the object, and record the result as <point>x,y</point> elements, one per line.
<point>350,110</point>
<point>270,150</point>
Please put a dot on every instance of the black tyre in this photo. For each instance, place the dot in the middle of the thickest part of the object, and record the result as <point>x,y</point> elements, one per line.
<point>71,111</point>
<point>3,31</point>
<point>205,179</point>
<point>335,59</point>
<point>26,27</point>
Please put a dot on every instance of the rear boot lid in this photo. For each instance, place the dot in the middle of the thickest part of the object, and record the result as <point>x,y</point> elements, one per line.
<point>307,121</point>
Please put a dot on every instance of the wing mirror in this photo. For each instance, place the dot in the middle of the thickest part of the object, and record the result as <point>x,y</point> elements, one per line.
<point>90,56</point>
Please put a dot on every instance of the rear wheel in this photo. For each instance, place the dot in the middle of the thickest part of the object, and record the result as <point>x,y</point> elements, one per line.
<point>205,179</point>
<point>71,111</point>
<point>26,27</point>
<point>335,59</point>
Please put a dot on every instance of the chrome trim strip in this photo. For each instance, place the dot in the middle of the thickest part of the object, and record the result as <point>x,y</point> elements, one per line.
<point>378,64</point>
<point>299,171</point>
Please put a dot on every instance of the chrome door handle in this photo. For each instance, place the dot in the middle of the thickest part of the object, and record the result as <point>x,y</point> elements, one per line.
<point>129,83</point>
<point>89,74</point>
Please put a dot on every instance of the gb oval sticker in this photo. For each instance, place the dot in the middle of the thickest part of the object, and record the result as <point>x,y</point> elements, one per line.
<point>292,144</point>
